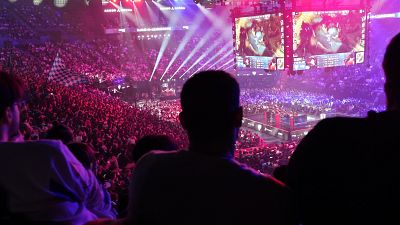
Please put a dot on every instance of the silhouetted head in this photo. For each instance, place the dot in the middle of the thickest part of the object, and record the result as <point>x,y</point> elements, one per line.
<point>85,154</point>
<point>11,93</point>
<point>150,143</point>
<point>210,111</point>
<point>391,66</point>
<point>60,132</point>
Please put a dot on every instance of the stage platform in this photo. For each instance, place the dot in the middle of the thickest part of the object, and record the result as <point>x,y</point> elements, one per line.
<point>284,127</point>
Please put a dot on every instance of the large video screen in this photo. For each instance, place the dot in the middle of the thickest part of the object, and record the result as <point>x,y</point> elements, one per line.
<point>260,42</point>
<point>328,39</point>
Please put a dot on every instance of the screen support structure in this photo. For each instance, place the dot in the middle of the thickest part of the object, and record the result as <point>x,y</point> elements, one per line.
<point>288,24</point>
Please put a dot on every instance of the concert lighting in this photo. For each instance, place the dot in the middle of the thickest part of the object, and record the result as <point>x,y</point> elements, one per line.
<point>227,63</point>
<point>203,56</point>
<point>37,2</point>
<point>219,60</point>
<point>164,45</point>
<point>138,16</point>
<point>217,23</point>
<point>229,67</point>
<point>151,12</point>
<point>202,42</point>
<point>386,16</point>
<point>176,8</point>
<point>223,49</point>
<point>167,14</point>
<point>197,22</point>
<point>60,3</point>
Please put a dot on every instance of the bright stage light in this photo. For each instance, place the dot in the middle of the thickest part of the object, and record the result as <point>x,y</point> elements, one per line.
<point>197,22</point>
<point>225,64</point>
<point>60,3</point>
<point>202,42</point>
<point>227,68</point>
<point>386,16</point>
<point>37,2</point>
<point>164,45</point>
<point>204,55</point>
<point>217,23</point>
<point>219,60</point>
<point>153,16</point>
<point>223,49</point>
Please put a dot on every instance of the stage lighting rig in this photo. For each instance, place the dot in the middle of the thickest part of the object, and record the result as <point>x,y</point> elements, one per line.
<point>212,3</point>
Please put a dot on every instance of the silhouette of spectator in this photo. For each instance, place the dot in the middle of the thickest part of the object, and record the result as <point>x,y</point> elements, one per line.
<point>345,171</point>
<point>60,132</point>
<point>204,184</point>
<point>85,154</point>
<point>41,182</point>
<point>152,142</point>
<point>280,173</point>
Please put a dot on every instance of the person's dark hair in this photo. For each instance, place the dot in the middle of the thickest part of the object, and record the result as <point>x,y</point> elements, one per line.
<point>60,132</point>
<point>391,64</point>
<point>11,90</point>
<point>152,142</point>
<point>209,100</point>
<point>84,153</point>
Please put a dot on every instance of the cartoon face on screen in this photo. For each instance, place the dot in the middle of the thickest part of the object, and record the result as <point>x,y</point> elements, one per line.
<point>259,36</point>
<point>319,33</point>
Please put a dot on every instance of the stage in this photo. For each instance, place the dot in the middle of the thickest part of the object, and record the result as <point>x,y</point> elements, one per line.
<point>284,127</point>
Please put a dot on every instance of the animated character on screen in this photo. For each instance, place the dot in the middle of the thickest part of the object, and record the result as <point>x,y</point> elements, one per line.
<point>256,39</point>
<point>328,33</point>
<point>259,36</point>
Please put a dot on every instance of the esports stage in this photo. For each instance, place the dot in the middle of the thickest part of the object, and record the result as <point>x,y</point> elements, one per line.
<point>284,127</point>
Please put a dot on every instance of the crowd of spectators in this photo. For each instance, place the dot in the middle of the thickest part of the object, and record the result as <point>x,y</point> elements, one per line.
<point>109,124</point>
<point>113,126</point>
<point>290,101</point>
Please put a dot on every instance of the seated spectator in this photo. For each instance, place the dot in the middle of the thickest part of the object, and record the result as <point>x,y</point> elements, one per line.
<point>346,170</point>
<point>60,132</point>
<point>41,182</point>
<point>152,142</point>
<point>85,154</point>
<point>204,184</point>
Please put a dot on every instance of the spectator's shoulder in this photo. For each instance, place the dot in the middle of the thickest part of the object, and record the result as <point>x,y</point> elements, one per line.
<point>155,157</point>
<point>50,149</point>
<point>54,146</point>
<point>35,146</point>
<point>339,124</point>
<point>263,179</point>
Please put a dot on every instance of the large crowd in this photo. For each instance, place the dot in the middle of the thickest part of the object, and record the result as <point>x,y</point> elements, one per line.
<point>112,126</point>
<point>109,124</point>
